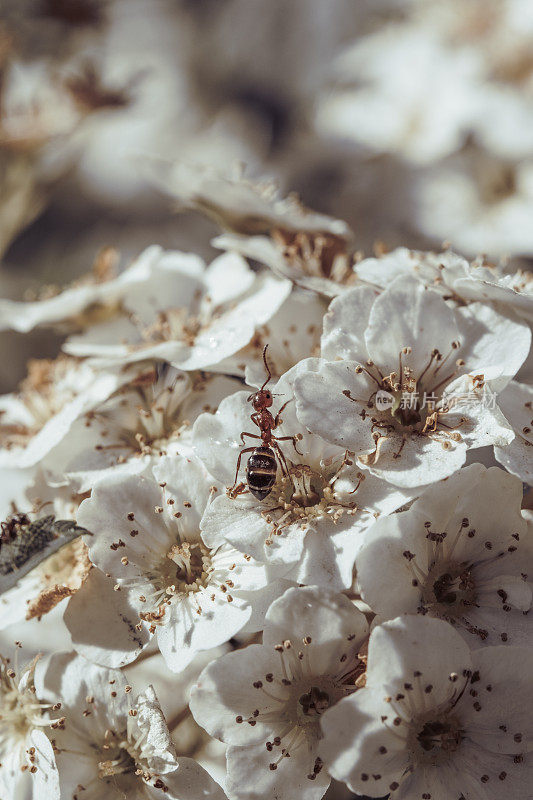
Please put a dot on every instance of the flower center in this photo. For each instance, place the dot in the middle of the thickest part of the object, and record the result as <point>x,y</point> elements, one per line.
<point>454,588</point>
<point>186,568</point>
<point>440,735</point>
<point>178,324</point>
<point>146,418</point>
<point>120,762</point>
<point>15,714</point>
<point>20,711</point>
<point>497,181</point>
<point>406,403</point>
<point>319,254</point>
<point>304,495</point>
<point>308,489</point>
<point>314,702</point>
<point>44,392</point>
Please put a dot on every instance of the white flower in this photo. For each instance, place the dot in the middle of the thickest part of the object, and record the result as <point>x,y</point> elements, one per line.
<point>410,382</point>
<point>419,85</point>
<point>462,553</point>
<point>313,517</point>
<point>311,249</point>
<point>480,202</point>
<point>111,745</point>
<point>403,91</point>
<point>453,277</point>
<point>265,701</point>
<point>150,416</point>
<point>93,297</point>
<point>27,761</point>
<point>147,536</point>
<point>516,402</point>
<point>192,316</point>
<point>313,259</point>
<point>434,720</point>
<point>54,394</point>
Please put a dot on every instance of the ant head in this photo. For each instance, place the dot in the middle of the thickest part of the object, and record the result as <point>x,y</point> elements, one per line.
<point>262,399</point>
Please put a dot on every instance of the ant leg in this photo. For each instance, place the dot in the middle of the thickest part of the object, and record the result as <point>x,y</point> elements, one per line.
<point>281,458</point>
<point>251,435</point>
<point>277,420</point>
<point>293,439</point>
<point>247,450</point>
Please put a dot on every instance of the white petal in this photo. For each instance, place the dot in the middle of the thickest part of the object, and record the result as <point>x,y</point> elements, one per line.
<point>251,778</point>
<point>506,671</point>
<point>151,722</point>
<point>353,733</point>
<point>224,690</point>
<point>330,619</point>
<point>493,344</point>
<point>103,623</point>
<point>516,402</point>
<point>345,324</point>
<point>323,408</point>
<point>189,782</point>
<point>408,315</point>
<point>400,649</point>
<point>197,623</point>
<point>243,527</point>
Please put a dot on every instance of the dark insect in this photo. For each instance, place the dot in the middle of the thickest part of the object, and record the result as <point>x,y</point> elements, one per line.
<point>24,544</point>
<point>12,527</point>
<point>262,466</point>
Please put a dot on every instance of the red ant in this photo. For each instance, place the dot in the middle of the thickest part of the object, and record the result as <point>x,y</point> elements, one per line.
<point>261,468</point>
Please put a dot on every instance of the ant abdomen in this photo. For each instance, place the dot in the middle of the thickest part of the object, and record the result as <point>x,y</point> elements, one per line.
<point>261,472</point>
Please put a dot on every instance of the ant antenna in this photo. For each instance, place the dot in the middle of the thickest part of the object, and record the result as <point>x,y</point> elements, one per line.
<point>266,367</point>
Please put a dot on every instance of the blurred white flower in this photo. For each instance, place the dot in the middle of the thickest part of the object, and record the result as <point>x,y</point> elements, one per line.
<point>55,393</point>
<point>266,700</point>
<point>192,316</point>
<point>402,90</point>
<point>419,85</point>
<point>92,298</point>
<point>311,249</point>
<point>434,720</point>
<point>147,418</point>
<point>480,202</point>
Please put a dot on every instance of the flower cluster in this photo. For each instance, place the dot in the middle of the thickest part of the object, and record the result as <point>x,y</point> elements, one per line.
<point>303,521</point>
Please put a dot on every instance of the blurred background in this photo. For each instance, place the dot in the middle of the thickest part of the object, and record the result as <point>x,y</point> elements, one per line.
<point>410,119</point>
